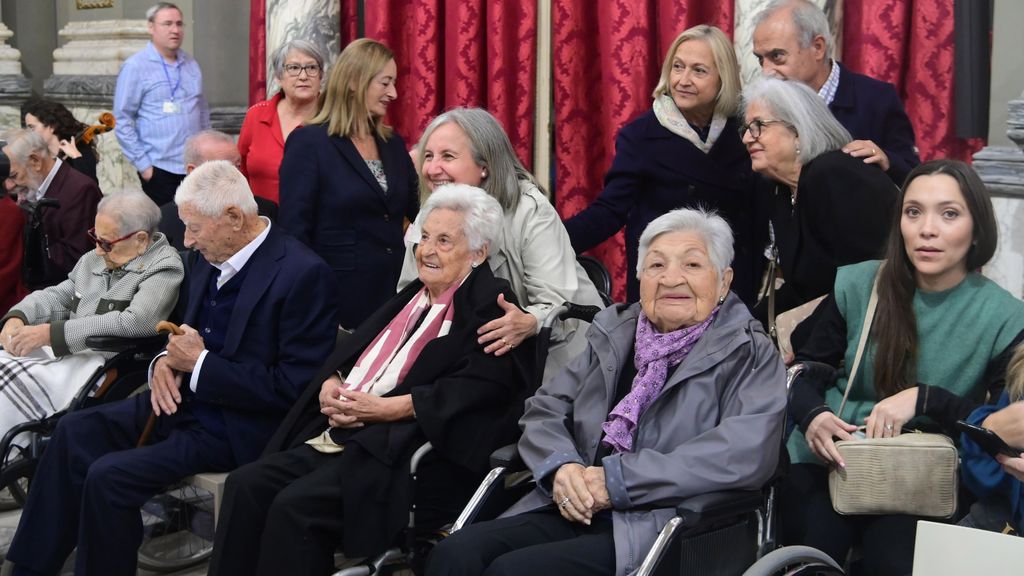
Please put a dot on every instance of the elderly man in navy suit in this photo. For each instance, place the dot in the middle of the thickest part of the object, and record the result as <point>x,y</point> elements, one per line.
<point>257,329</point>
<point>792,40</point>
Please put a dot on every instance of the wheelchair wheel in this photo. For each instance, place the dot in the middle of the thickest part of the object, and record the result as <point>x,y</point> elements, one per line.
<point>178,529</point>
<point>19,477</point>
<point>795,561</point>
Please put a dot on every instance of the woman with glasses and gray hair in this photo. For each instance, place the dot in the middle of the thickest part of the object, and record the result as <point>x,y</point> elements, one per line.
<point>827,208</point>
<point>122,288</point>
<point>299,69</point>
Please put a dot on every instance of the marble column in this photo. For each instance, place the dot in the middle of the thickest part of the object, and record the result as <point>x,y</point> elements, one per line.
<point>315,20</point>
<point>84,76</point>
<point>14,87</point>
<point>743,32</point>
<point>1002,170</point>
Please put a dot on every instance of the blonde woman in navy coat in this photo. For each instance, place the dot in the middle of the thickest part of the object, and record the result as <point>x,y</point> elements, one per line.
<point>347,182</point>
<point>683,153</point>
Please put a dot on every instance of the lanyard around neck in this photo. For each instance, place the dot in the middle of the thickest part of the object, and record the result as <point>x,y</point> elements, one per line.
<point>174,87</point>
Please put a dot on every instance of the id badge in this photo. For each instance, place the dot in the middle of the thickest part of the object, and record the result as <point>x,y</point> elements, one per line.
<point>170,107</point>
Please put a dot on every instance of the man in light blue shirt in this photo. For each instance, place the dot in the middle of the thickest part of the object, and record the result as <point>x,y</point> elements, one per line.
<point>159,103</point>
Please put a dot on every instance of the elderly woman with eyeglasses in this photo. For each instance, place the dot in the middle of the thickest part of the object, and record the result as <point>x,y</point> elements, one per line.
<point>826,208</point>
<point>298,67</point>
<point>122,288</point>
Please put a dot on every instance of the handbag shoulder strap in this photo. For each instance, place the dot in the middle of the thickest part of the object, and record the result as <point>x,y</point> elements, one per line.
<point>869,317</point>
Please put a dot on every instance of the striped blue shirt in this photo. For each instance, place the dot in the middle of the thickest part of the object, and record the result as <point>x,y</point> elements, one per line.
<point>158,106</point>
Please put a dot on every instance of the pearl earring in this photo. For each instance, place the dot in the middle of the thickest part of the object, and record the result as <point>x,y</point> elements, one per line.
<point>474,264</point>
<point>483,173</point>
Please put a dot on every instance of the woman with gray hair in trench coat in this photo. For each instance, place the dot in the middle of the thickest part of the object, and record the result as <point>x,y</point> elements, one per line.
<point>677,395</point>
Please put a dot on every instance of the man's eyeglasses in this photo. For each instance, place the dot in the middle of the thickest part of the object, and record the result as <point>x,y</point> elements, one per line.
<point>312,70</point>
<point>757,126</point>
<point>108,245</point>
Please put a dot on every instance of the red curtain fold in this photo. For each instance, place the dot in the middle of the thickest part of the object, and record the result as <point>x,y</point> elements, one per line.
<point>910,43</point>
<point>461,53</point>
<point>606,62</point>
<point>257,51</point>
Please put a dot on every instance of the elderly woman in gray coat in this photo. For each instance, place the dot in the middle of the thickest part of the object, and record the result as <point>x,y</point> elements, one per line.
<point>122,288</point>
<point>677,395</point>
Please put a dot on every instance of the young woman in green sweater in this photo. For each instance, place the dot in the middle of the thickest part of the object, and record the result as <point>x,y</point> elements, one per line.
<point>937,347</point>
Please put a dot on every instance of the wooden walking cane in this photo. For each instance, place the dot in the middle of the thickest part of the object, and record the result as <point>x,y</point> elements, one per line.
<point>162,327</point>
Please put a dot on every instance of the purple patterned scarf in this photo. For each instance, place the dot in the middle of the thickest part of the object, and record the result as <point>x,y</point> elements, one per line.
<point>655,353</point>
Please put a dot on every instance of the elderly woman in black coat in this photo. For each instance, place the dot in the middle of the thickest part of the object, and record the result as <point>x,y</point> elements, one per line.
<point>336,472</point>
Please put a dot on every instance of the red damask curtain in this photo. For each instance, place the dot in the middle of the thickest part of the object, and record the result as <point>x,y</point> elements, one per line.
<point>257,51</point>
<point>910,43</point>
<point>461,53</point>
<point>607,58</point>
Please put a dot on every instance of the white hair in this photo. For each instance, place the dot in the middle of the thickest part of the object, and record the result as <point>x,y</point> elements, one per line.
<point>482,215</point>
<point>152,11</point>
<point>808,19</point>
<point>23,142</point>
<point>215,186</point>
<point>800,107</point>
<point>132,210</point>
<point>192,155</point>
<point>298,44</point>
<point>712,228</point>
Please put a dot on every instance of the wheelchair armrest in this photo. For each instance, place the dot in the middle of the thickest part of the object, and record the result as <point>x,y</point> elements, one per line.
<point>508,458</point>
<point>578,311</point>
<point>121,344</point>
<point>714,506</point>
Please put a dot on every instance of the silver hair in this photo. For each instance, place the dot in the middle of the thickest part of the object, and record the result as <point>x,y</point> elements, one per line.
<point>192,155</point>
<point>491,149</point>
<point>152,11</point>
<point>712,228</point>
<point>808,19</point>
<point>482,215</point>
<point>799,106</point>
<point>215,186</point>
<point>132,210</point>
<point>21,143</point>
<point>304,46</point>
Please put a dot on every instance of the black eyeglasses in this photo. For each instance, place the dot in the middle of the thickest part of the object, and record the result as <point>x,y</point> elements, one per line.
<point>757,126</point>
<point>107,245</point>
<point>312,70</point>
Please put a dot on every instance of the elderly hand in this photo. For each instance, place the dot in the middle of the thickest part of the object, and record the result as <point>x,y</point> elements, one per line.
<point>70,148</point>
<point>183,351</point>
<point>571,493</point>
<point>501,335</point>
<point>164,388</point>
<point>871,153</point>
<point>820,434</point>
<point>357,408</point>
<point>331,404</point>
<point>1008,423</point>
<point>1013,466</point>
<point>594,477</point>
<point>28,338</point>
<point>10,327</point>
<point>888,416</point>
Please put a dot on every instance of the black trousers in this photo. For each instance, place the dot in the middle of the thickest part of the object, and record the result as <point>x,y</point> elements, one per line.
<point>534,543</point>
<point>289,505</point>
<point>162,186</point>
<point>92,481</point>
<point>808,518</point>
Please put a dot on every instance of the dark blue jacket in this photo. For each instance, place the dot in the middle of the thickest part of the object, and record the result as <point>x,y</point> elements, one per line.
<point>984,476</point>
<point>655,171</point>
<point>280,332</point>
<point>332,203</point>
<point>872,110</point>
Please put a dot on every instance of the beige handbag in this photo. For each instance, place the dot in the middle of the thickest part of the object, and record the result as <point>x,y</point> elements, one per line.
<point>913,473</point>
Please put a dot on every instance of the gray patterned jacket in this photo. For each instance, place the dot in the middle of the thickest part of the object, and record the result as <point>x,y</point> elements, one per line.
<point>95,300</point>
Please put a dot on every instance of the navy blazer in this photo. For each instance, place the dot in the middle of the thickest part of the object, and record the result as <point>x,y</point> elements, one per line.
<point>655,171</point>
<point>872,110</point>
<point>281,331</point>
<point>331,202</point>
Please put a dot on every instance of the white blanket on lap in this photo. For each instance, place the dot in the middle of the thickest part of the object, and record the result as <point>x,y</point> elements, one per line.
<point>36,386</point>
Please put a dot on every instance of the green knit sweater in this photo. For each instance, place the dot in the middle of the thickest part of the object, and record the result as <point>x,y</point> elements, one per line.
<point>959,331</point>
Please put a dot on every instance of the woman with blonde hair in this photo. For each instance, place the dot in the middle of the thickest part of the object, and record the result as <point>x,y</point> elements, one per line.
<point>347,181</point>
<point>683,153</point>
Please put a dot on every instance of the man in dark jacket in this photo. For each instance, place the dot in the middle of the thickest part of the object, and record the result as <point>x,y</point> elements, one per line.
<point>36,174</point>
<point>792,40</point>
<point>257,328</point>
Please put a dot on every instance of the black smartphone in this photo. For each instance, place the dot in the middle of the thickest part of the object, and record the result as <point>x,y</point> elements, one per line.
<point>989,441</point>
